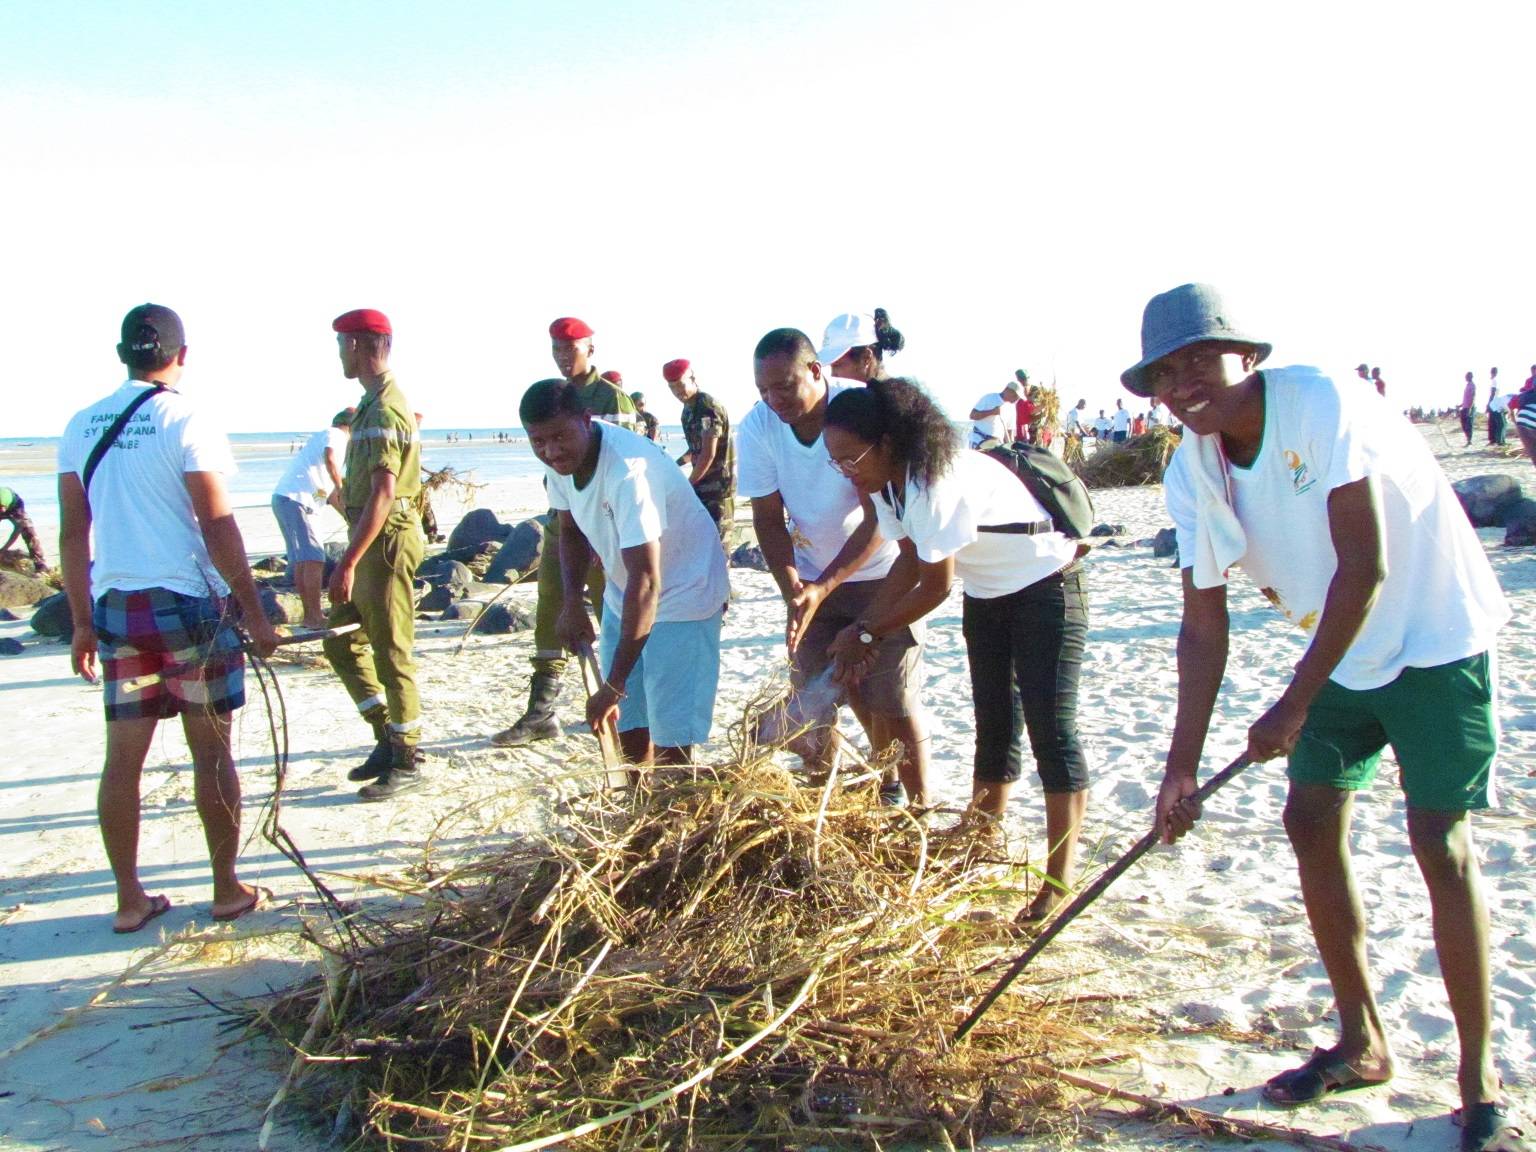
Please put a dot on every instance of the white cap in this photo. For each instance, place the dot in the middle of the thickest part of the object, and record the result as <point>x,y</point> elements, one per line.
<point>848,331</point>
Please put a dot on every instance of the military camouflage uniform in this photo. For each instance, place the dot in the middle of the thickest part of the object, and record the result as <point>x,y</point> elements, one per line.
<point>703,416</point>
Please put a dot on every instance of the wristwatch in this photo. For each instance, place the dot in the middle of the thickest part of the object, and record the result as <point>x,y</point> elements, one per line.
<point>865,635</point>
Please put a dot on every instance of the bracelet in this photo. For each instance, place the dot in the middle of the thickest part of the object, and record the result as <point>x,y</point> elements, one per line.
<point>618,692</point>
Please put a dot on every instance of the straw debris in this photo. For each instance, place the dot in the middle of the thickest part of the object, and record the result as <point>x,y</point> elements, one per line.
<point>1138,461</point>
<point>725,958</point>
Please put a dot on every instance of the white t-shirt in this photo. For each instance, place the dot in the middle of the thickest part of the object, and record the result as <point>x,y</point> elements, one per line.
<point>823,505</point>
<point>145,532</point>
<point>945,519</point>
<point>1157,416</point>
<point>1101,425</point>
<point>1440,602</point>
<point>989,427</point>
<point>638,495</point>
<point>1120,421</point>
<point>306,481</point>
<point>1072,422</point>
<point>1499,403</point>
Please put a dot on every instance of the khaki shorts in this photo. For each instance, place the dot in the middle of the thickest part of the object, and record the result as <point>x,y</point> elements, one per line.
<point>892,686</point>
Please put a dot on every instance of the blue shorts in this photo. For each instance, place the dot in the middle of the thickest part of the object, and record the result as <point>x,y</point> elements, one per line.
<point>298,527</point>
<point>671,690</point>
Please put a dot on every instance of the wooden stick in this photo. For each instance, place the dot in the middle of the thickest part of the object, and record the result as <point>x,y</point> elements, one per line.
<point>607,733</point>
<point>149,679</point>
<point>1088,896</point>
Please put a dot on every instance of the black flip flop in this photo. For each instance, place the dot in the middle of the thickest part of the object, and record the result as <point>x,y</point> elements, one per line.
<point>1322,1075</point>
<point>1489,1128</point>
<point>158,906</point>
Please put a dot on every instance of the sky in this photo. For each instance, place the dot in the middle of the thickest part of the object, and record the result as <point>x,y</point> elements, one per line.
<point>1011,181</point>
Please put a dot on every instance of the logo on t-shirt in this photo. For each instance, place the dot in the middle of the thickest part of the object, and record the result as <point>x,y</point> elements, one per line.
<point>1301,480</point>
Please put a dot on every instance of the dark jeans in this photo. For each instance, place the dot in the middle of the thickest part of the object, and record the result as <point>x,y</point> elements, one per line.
<point>1026,654</point>
<point>1496,425</point>
<point>1466,424</point>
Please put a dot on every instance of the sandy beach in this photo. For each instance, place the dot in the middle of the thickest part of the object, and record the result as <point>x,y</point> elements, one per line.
<point>110,1042</point>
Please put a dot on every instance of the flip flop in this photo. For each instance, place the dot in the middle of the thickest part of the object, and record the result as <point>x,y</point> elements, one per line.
<point>1322,1075</point>
<point>158,906</point>
<point>259,898</point>
<point>1489,1128</point>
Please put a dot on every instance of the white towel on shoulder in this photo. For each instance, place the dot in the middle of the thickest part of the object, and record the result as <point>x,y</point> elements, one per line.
<point>1219,538</point>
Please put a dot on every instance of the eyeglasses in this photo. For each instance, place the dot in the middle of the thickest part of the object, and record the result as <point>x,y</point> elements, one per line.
<point>847,467</point>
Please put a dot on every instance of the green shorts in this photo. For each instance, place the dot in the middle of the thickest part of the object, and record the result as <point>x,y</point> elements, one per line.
<point>1440,722</point>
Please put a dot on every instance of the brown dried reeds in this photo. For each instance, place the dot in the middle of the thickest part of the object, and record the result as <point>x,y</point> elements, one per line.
<point>723,958</point>
<point>1140,460</point>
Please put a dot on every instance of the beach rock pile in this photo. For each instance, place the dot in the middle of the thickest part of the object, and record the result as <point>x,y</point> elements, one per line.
<point>1108,530</point>
<point>749,556</point>
<point>519,557</point>
<point>1165,543</point>
<point>497,620</point>
<point>17,590</point>
<point>11,647</point>
<point>1520,523</point>
<point>52,618</point>
<point>1486,499</point>
<point>479,526</point>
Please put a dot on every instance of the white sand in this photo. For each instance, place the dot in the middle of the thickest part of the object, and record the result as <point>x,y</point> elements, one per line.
<point>1208,940</point>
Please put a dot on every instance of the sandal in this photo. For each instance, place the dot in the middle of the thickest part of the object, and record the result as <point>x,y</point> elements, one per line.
<point>158,906</point>
<point>259,898</point>
<point>1489,1128</point>
<point>1323,1074</point>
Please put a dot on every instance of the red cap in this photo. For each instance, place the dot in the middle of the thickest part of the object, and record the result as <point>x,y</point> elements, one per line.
<point>362,320</point>
<point>613,376</point>
<point>569,328</point>
<point>672,371</point>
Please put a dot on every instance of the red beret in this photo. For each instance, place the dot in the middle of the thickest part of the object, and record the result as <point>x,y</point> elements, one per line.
<point>672,371</point>
<point>569,328</point>
<point>362,320</point>
<point>613,376</point>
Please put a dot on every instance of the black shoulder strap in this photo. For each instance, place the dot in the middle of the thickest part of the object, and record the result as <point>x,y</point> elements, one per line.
<point>93,461</point>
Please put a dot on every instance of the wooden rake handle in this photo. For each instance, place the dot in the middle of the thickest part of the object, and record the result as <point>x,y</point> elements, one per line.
<point>139,683</point>
<point>1088,896</point>
<point>608,732</point>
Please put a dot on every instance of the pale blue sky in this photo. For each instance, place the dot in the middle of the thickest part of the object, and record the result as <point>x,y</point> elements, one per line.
<point>1011,181</point>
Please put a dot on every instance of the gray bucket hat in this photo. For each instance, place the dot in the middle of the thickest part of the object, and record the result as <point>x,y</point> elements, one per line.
<point>1178,318</point>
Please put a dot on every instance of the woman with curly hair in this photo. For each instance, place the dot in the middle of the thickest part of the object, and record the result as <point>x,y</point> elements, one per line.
<point>855,343</point>
<point>957,512</point>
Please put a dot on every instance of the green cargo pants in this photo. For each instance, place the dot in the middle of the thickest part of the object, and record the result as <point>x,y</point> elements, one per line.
<point>382,602</point>
<point>548,655</point>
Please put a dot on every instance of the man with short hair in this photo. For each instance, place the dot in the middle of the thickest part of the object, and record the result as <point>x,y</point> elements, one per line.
<point>1350,528</point>
<point>825,554</point>
<point>573,347</point>
<point>1468,408</point>
<point>1498,408</point>
<point>373,583</point>
<point>1119,423</point>
<point>14,509</point>
<point>311,481</point>
<point>650,426</point>
<point>988,429</point>
<point>711,455</point>
<point>150,598</point>
<point>618,495</point>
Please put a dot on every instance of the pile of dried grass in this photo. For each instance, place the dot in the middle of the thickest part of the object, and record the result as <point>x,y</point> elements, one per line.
<point>727,958</point>
<point>1140,460</point>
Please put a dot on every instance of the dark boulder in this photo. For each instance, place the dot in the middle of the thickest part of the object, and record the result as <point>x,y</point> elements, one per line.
<point>18,590</point>
<point>519,556</point>
<point>1486,499</point>
<point>1165,543</point>
<point>1520,523</point>
<point>438,597</point>
<point>52,618</point>
<point>479,526</point>
<point>272,605</point>
<point>11,647</point>
<point>1108,530</point>
<point>441,572</point>
<point>749,556</point>
<point>495,620</point>
<point>273,564</point>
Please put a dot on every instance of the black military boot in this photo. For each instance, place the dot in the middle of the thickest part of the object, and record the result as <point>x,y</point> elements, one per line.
<point>402,775</point>
<point>538,722</point>
<point>378,760</point>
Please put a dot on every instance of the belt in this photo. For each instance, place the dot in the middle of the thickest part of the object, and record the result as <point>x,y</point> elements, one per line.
<point>399,504</point>
<point>1038,528</point>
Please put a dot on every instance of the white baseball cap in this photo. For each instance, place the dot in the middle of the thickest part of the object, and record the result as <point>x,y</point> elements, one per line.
<point>848,331</point>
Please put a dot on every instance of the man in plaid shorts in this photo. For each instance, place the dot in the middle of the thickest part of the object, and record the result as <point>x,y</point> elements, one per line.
<point>152,601</point>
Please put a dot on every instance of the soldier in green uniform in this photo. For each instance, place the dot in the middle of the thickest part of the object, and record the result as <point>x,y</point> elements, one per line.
<point>711,452</point>
<point>372,584</point>
<point>572,348</point>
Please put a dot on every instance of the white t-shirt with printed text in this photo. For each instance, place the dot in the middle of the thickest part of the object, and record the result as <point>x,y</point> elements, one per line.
<point>1440,601</point>
<point>145,533</point>
<point>306,480</point>
<point>637,495</point>
<point>945,519</point>
<point>823,504</point>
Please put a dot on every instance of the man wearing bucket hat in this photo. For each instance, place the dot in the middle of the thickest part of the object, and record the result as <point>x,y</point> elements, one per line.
<point>572,345</point>
<point>1345,522</point>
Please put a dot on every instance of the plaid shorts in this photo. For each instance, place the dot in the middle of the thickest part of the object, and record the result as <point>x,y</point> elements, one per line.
<point>164,653</point>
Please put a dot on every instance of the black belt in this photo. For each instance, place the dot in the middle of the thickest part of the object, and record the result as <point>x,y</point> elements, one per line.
<point>1038,528</point>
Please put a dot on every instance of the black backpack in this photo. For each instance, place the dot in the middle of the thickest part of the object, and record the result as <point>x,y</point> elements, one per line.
<point>1051,481</point>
